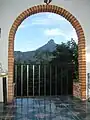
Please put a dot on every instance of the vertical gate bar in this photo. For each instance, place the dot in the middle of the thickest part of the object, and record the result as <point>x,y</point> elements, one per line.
<point>39,80</point>
<point>27,78</point>
<point>56,80</point>
<point>15,80</point>
<point>61,81</point>
<point>50,81</point>
<point>21,80</point>
<point>67,81</point>
<point>44,80</point>
<point>33,79</point>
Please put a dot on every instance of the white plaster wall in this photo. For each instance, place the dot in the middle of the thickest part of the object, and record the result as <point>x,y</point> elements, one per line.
<point>10,9</point>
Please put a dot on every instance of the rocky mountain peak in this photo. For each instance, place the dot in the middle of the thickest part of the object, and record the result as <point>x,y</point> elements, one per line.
<point>51,41</point>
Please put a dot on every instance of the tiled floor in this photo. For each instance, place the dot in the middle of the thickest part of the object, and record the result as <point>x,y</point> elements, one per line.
<point>48,108</point>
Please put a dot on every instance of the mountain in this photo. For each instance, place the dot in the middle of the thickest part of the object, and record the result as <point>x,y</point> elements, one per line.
<point>44,53</point>
<point>50,46</point>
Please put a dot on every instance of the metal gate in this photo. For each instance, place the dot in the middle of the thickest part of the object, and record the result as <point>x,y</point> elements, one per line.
<point>43,80</point>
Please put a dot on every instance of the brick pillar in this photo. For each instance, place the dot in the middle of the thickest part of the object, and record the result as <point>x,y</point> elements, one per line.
<point>10,69</point>
<point>82,66</point>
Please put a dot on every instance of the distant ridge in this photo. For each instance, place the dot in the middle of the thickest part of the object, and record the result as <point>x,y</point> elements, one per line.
<point>44,52</point>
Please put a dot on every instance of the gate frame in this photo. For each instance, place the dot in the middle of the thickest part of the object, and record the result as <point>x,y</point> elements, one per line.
<point>81,44</point>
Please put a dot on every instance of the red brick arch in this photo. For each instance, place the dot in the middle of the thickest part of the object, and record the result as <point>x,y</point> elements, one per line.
<point>81,43</point>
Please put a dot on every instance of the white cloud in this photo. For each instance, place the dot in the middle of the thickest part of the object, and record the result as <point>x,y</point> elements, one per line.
<point>53,32</point>
<point>48,19</point>
<point>58,32</point>
<point>40,21</point>
<point>55,17</point>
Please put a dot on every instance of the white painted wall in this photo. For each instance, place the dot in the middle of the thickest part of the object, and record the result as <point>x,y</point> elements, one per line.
<point>10,9</point>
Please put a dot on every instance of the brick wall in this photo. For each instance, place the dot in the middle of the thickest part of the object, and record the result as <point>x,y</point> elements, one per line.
<point>81,43</point>
<point>77,89</point>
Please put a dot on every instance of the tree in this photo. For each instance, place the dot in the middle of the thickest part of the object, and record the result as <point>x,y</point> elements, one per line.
<point>68,53</point>
<point>74,50</point>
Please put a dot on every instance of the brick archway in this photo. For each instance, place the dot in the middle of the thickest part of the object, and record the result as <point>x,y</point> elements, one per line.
<point>81,44</point>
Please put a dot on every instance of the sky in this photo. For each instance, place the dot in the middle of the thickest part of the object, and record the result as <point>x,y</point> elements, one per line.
<point>38,29</point>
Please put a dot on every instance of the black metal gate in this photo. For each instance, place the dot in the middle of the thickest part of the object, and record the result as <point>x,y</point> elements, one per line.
<point>43,80</point>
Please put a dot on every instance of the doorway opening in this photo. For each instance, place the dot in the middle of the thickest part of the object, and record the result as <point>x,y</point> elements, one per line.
<point>44,64</point>
<point>81,44</point>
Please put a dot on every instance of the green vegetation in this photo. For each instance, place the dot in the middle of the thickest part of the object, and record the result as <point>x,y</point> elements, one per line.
<point>67,53</point>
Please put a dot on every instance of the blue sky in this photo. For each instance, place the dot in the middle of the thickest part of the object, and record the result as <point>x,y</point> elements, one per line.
<point>38,29</point>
